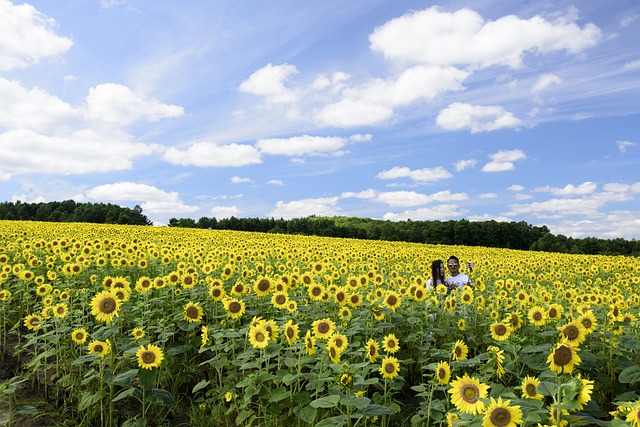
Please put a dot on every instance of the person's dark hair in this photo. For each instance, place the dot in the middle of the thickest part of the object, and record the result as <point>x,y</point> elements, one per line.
<point>436,274</point>
<point>453,257</point>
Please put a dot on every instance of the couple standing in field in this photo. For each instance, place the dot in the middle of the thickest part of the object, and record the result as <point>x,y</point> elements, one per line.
<point>456,280</point>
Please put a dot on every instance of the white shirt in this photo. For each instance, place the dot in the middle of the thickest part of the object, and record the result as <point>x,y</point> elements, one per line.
<point>430,283</point>
<point>458,281</point>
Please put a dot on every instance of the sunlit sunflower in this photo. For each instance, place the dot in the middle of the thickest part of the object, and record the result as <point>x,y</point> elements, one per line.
<point>467,296</point>
<point>460,350</point>
<point>563,358</point>
<point>149,357</point>
<point>354,300</point>
<point>500,331</point>
<point>292,306</point>
<point>79,336</point>
<point>122,294</point>
<point>443,372</point>
<point>60,310</point>
<point>537,316</point>
<point>441,289</point>
<point>389,368</point>
<point>216,292</point>
<point>291,331</point>
<point>263,287</point>
<point>584,396</point>
<point>392,300</point>
<point>633,416</point>
<point>32,322</point>
<point>373,349</point>
<point>554,312</point>
<point>258,336</point>
<point>235,307</point>
<point>462,324</point>
<point>390,344</point>
<point>310,343</point>
<point>498,356</point>
<point>138,333</point>
<point>272,329</point>
<point>451,418</point>
<point>346,380</point>
<point>44,289</point>
<point>530,388</point>
<point>143,284</point>
<point>323,328</point>
<point>339,341</point>
<point>316,291</point>
<point>104,306</point>
<point>466,393</point>
<point>377,314</point>
<point>192,312</point>
<point>340,296</point>
<point>573,332</point>
<point>501,414</point>
<point>345,312</point>
<point>99,348</point>
<point>628,318</point>
<point>279,300</point>
<point>334,354</point>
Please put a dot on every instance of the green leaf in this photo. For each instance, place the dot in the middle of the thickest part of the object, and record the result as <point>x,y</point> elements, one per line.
<point>375,410</point>
<point>147,377</point>
<point>630,375</point>
<point>124,379</point>
<point>243,415</point>
<point>88,399</point>
<point>124,394</point>
<point>279,394</point>
<point>162,396</point>
<point>307,414</point>
<point>326,402</point>
<point>337,421</point>
<point>202,384</point>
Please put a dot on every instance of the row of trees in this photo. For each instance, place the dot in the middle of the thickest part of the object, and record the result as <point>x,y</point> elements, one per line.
<point>512,235</point>
<point>70,211</point>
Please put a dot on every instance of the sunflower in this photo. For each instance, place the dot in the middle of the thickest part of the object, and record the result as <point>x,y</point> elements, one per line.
<point>235,308</point>
<point>633,416</point>
<point>345,312</point>
<point>188,281</point>
<point>466,393</point>
<point>392,300</point>
<point>584,396</point>
<point>32,322</point>
<point>334,354</point>
<point>99,348</point>
<point>272,329</point>
<point>443,372</point>
<point>467,296</point>
<point>104,306</point>
<point>216,292</point>
<point>149,357</point>
<point>564,358</point>
<point>499,359</point>
<point>192,312</point>
<point>279,300</point>
<point>143,284</point>
<point>554,312</point>
<point>44,289</point>
<point>462,324</point>
<point>451,418</point>
<point>500,331</point>
<point>373,349</point>
<point>239,289</point>
<point>262,287</point>
<point>377,314</point>
<point>460,350</point>
<point>441,289</point>
<point>389,367</point>
<point>292,306</point>
<point>310,343</point>
<point>340,296</point>
<point>258,336</point>
<point>204,335</point>
<point>79,336</point>
<point>390,344</point>
<point>558,417</point>
<point>291,331</point>
<point>138,333</point>
<point>573,332</point>
<point>502,414</point>
<point>354,300</point>
<point>530,388</point>
<point>60,310</point>
<point>537,316</point>
<point>339,341</point>
<point>346,380</point>
<point>323,328</point>
<point>122,294</point>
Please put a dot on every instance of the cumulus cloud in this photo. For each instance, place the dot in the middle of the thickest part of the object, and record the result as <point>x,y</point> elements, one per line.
<point>300,145</point>
<point>405,198</point>
<point>570,189</point>
<point>269,82</point>
<point>25,151</point>
<point>240,180</point>
<point>612,225</point>
<point>210,154</point>
<point>545,81</point>
<point>623,145</point>
<point>351,113</point>
<point>503,160</point>
<point>277,182</point>
<point>152,199</point>
<point>421,175</point>
<point>225,211</point>
<point>461,165</point>
<point>439,212</point>
<point>585,205</point>
<point>477,118</point>
<point>432,36</point>
<point>323,206</point>
<point>515,187</point>
<point>27,36</point>
<point>117,104</point>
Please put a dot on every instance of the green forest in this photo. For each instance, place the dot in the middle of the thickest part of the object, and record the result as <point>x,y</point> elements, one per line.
<point>512,235</point>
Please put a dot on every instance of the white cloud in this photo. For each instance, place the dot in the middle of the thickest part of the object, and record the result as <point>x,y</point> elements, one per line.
<point>34,108</point>
<point>523,196</point>
<point>239,180</point>
<point>503,160</point>
<point>275,182</point>
<point>461,165</point>
<point>27,36</point>
<point>439,212</point>
<point>586,205</point>
<point>335,83</point>
<point>631,65</point>
<point>545,81</point>
<point>210,154</point>
<point>351,113</point>
<point>570,189</point>
<point>153,200</point>
<point>358,137</point>
<point>324,206</point>
<point>463,37</point>
<point>405,198</point>
<point>117,104</point>
<point>421,175</point>
<point>623,145</point>
<point>477,118</point>
<point>219,212</point>
<point>488,195</point>
<point>622,188</point>
<point>81,152</point>
<point>616,224</point>
<point>300,145</point>
<point>515,187</point>
<point>269,82</point>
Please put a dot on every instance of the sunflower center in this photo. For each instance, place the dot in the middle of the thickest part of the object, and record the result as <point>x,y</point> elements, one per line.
<point>263,285</point>
<point>392,300</point>
<point>372,350</point>
<point>537,316</point>
<point>442,374</point>
<point>553,313</point>
<point>500,417</point>
<point>107,305</point>
<point>571,332</point>
<point>234,307</point>
<point>531,390</point>
<point>215,292</point>
<point>260,337</point>
<point>338,342</point>
<point>389,368</point>
<point>281,299</point>
<point>98,348</point>
<point>192,312</point>
<point>290,332</point>
<point>458,351</point>
<point>316,291</point>
<point>188,280</point>
<point>470,393</point>
<point>148,357</point>
<point>391,344</point>
<point>323,327</point>
<point>562,355</point>
<point>340,296</point>
<point>500,330</point>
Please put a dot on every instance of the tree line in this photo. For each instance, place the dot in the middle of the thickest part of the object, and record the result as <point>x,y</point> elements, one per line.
<point>511,235</point>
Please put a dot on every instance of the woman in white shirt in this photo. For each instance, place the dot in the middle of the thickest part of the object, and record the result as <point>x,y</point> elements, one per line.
<point>437,274</point>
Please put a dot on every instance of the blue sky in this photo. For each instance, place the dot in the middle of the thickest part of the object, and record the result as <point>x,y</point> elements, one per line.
<point>513,111</point>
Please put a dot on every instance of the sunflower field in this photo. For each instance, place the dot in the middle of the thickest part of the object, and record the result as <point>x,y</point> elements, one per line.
<point>133,326</point>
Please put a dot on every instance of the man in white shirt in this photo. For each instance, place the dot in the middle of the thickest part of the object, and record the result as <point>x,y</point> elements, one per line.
<point>457,280</point>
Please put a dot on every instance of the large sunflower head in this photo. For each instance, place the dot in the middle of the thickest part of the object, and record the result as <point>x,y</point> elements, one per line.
<point>104,306</point>
<point>501,414</point>
<point>373,349</point>
<point>263,286</point>
<point>443,372</point>
<point>573,332</point>
<point>389,367</point>
<point>100,348</point>
<point>79,336</point>
<point>279,300</point>
<point>460,350</point>
<point>466,394</point>
<point>216,292</point>
<point>564,358</point>
<point>339,341</point>
<point>584,396</point>
<point>149,357</point>
<point>192,312</point>
<point>390,344</point>
<point>500,331</point>
<point>291,331</point>
<point>537,316</point>
<point>530,388</point>
<point>258,336</point>
<point>323,328</point>
<point>392,300</point>
<point>138,333</point>
<point>235,308</point>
